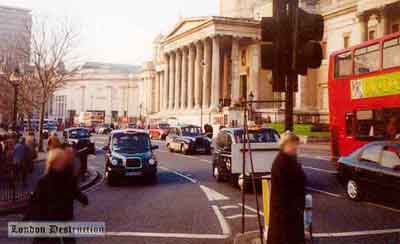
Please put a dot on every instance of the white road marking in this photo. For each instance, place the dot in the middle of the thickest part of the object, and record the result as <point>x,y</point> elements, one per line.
<point>168,235</point>
<point>213,195</point>
<point>92,188</point>
<point>237,216</point>
<point>324,192</point>
<point>251,209</point>
<point>205,160</point>
<point>333,172</point>
<point>229,207</point>
<point>384,207</point>
<point>179,174</point>
<point>226,230</point>
<point>356,233</point>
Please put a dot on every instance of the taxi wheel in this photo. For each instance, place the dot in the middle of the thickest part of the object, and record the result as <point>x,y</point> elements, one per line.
<point>353,190</point>
<point>184,150</point>
<point>217,174</point>
<point>112,181</point>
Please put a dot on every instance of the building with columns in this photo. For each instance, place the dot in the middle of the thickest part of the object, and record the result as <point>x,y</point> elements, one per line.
<point>204,65</point>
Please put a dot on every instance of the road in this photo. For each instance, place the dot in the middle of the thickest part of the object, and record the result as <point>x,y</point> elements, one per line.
<point>187,205</point>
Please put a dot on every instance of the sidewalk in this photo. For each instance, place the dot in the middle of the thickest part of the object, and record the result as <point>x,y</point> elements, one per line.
<point>12,207</point>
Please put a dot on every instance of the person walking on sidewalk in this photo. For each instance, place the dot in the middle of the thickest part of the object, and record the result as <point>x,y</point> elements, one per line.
<point>53,198</point>
<point>287,195</point>
<point>20,156</point>
<point>53,142</point>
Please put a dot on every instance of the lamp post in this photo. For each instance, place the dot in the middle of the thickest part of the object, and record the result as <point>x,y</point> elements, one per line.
<point>251,100</point>
<point>14,78</point>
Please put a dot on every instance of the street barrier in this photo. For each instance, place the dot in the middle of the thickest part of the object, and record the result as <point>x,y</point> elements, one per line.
<point>266,189</point>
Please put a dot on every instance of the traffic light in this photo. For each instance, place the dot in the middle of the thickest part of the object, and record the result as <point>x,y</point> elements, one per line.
<point>308,48</point>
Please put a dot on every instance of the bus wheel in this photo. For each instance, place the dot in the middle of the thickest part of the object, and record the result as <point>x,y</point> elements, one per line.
<point>353,190</point>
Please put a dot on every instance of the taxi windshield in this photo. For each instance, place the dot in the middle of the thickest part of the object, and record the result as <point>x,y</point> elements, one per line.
<point>79,133</point>
<point>258,136</point>
<point>132,143</point>
<point>191,131</point>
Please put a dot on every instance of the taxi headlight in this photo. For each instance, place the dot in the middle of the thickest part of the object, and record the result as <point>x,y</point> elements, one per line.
<point>114,161</point>
<point>152,161</point>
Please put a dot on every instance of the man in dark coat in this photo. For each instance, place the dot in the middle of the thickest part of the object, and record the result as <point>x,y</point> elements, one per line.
<point>287,195</point>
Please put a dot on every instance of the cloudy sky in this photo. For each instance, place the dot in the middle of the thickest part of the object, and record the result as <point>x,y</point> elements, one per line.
<point>118,31</point>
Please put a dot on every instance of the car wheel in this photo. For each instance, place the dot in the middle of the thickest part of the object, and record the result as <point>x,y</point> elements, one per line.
<point>353,190</point>
<point>184,150</point>
<point>152,178</point>
<point>243,183</point>
<point>217,174</point>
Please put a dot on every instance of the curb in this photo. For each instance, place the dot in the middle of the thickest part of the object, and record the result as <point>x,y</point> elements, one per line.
<point>252,237</point>
<point>20,206</point>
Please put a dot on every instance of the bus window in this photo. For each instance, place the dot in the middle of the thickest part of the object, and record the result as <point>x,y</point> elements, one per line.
<point>391,53</point>
<point>367,59</point>
<point>374,124</point>
<point>343,64</point>
<point>349,124</point>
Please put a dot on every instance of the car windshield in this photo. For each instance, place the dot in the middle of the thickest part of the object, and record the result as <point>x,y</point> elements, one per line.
<point>258,136</point>
<point>133,143</point>
<point>163,126</point>
<point>191,131</point>
<point>79,133</point>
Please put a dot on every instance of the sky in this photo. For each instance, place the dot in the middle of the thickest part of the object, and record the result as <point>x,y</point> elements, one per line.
<point>118,31</point>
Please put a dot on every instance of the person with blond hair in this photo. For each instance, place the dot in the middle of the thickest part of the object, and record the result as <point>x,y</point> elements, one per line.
<point>287,194</point>
<point>53,198</point>
<point>53,142</point>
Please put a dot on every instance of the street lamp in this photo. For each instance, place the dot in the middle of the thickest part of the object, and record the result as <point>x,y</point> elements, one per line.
<point>14,78</point>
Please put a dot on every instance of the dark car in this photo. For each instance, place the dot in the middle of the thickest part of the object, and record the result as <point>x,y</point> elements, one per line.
<point>129,153</point>
<point>373,167</point>
<point>188,139</point>
<point>79,137</point>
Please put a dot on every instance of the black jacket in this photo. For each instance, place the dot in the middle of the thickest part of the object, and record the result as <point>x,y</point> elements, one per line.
<point>53,199</point>
<point>287,201</point>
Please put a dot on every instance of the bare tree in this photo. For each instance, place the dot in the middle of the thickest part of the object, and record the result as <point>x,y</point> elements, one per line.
<point>52,47</point>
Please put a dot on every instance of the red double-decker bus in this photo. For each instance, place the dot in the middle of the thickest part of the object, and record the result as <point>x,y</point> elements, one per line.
<point>364,94</point>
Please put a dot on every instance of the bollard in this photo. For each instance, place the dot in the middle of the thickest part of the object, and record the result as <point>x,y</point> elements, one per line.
<point>266,189</point>
<point>308,216</point>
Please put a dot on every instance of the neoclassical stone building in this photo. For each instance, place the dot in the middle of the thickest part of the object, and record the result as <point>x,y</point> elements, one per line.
<point>204,65</point>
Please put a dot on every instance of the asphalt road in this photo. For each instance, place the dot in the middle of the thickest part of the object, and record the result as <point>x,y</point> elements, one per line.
<point>187,205</point>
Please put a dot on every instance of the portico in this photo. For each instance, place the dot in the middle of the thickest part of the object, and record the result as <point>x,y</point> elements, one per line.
<point>201,63</point>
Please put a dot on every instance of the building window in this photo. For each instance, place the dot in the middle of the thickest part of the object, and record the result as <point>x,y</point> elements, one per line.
<point>395,28</point>
<point>371,34</point>
<point>346,41</point>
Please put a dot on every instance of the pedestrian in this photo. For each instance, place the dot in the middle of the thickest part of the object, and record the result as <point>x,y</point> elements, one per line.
<point>53,198</point>
<point>53,142</point>
<point>20,156</point>
<point>31,144</point>
<point>287,195</point>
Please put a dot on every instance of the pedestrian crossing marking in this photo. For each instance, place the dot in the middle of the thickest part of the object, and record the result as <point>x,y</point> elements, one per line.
<point>213,195</point>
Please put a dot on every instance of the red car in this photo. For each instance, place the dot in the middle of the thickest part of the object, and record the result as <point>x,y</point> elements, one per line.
<point>159,131</point>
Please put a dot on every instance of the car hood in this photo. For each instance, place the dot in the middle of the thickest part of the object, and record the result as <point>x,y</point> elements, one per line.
<point>125,155</point>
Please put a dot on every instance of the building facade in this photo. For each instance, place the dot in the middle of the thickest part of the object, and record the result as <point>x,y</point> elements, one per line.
<point>205,65</point>
<point>15,23</point>
<point>111,89</point>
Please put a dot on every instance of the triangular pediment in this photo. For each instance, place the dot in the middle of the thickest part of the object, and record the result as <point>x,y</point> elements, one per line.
<point>186,25</point>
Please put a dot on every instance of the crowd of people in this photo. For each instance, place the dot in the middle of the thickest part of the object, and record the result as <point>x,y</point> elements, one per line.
<point>17,154</point>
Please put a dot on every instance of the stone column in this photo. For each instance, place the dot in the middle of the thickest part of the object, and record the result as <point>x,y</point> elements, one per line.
<point>157,92</point>
<point>362,21</point>
<point>184,81</point>
<point>207,73</point>
<point>235,71</point>
<point>171,92</point>
<point>226,77</point>
<point>178,76</point>
<point>383,23</point>
<point>198,73</point>
<point>254,76</point>
<point>165,83</point>
<point>191,69</point>
<point>216,64</point>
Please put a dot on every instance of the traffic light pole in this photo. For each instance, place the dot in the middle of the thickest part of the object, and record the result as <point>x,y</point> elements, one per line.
<point>291,80</point>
